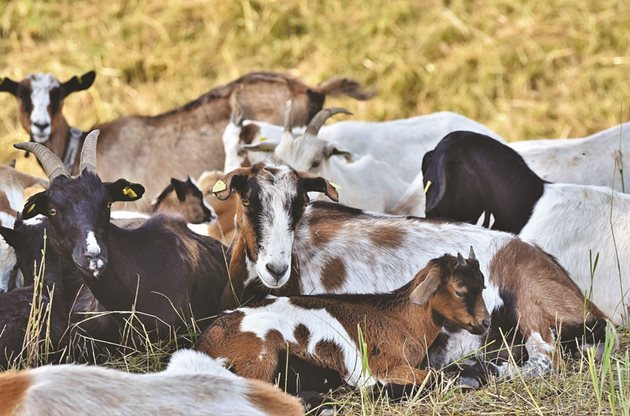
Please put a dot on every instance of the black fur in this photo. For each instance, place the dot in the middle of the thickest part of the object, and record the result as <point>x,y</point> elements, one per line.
<point>472,174</point>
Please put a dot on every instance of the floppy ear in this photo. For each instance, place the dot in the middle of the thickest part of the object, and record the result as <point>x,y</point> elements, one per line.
<point>236,179</point>
<point>180,188</point>
<point>312,183</point>
<point>123,190</point>
<point>423,292</point>
<point>267,146</point>
<point>332,150</point>
<point>81,83</point>
<point>9,235</point>
<point>10,86</point>
<point>434,170</point>
<point>35,205</point>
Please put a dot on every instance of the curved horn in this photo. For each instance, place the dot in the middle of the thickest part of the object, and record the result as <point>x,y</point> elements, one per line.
<point>460,260</point>
<point>88,152</point>
<point>320,118</point>
<point>53,166</point>
<point>471,255</point>
<point>288,109</point>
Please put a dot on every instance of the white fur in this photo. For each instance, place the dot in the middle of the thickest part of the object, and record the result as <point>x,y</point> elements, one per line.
<point>91,244</point>
<point>41,84</point>
<point>119,215</point>
<point>7,263</point>
<point>193,384</point>
<point>284,317</point>
<point>587,161</point>
<point>568,221</point>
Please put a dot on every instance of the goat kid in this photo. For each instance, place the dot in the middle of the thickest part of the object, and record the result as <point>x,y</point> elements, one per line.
<point>192,384</point>
<point>327,330</point>
<point>478,180</point>
<point>288,247</point>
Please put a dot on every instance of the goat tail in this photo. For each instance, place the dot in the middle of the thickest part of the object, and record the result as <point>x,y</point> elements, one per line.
<point>13,387</point>
<point>344,86</point>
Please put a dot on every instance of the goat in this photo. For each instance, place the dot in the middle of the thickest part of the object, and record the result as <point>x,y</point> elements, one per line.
<point>223,228</point>
<point>288,246</point>
<point>12,186</point>
<point>594,160</point>
<point>162,272</point>
<point>192,384</point>
<point>328,330</point>
<point>473,176</point>
<point>140,147</point>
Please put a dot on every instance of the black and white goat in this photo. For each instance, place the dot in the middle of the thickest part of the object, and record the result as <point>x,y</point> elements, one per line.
<point>192,384</point>
<point>478,180</point>
<point>287,246</point>
<point>329,330</point>
<point>162,272</point>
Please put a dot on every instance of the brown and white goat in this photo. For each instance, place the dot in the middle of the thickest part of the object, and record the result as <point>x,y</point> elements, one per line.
<point>142,147</point>
<point>287,246</point>
<point>192,384</point>
<point>13,183</point>
<point>328,330</point>
<point>223,228</point>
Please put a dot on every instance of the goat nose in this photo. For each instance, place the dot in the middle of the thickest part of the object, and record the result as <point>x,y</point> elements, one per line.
<point>41,126</point>
<point>277,270</point>
<point>486,323</point>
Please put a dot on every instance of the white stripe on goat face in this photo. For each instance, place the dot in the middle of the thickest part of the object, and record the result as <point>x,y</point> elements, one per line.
<point>41,122</point>
<point>276,234</point>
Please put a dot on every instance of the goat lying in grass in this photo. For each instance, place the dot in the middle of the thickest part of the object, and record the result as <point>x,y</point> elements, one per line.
<point>192,384</point>
<point>328,330</point>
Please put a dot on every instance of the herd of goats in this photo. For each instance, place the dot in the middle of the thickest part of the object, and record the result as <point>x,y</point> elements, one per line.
<point>445,252</point>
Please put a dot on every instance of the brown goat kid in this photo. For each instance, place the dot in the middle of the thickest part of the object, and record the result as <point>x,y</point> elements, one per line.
<point>398,327</point>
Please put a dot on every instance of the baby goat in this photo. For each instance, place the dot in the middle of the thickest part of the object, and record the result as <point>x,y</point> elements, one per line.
<point>193,384</point>
<point>327,330</point>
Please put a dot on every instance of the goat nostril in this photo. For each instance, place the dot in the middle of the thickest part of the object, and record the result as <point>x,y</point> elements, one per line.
<point>41,126</point>
<point>277,270</point>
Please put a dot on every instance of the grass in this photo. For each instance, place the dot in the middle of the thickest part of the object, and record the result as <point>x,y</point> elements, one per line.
<point>541,68</point>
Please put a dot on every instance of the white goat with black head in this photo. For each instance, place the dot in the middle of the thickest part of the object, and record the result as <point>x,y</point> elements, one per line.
<point>478,180</point>
<point>287,246</point>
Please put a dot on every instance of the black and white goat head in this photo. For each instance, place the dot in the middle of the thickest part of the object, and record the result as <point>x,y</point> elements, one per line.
<point>41,98</point>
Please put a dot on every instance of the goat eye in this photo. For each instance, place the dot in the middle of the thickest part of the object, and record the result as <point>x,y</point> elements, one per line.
<point>316,164</point>
<point>245,202</point>
<point>460,293</point>
<point>52,211</point>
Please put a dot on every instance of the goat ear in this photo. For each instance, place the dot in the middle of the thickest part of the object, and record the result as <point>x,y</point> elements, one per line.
<point>123,190</point>
<point>236,179</point>
<point>312,183</point>
<point>423,292</point>
<point>81,83</point>
<point>180,188</point>
<point>434,170</point>
<point>10,86</point>
<point>35,205</point>
<point>267,146</point>
<point>8,234</point>
<point>332,150</point>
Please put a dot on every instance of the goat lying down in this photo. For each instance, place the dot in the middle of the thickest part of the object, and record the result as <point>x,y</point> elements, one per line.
<point>398,327</point>
<point>286,246</point>
<point>476,179</point>
<point>192,384</point>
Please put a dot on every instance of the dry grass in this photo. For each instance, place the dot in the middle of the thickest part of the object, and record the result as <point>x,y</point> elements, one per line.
<point>531,69</point>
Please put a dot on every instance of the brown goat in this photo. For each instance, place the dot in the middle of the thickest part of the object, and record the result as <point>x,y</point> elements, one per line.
<point>398,327</point>
<point>143,147</point>
<point>223,228</point>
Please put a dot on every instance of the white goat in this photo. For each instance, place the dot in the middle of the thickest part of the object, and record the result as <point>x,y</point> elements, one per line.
<point>193,384</point>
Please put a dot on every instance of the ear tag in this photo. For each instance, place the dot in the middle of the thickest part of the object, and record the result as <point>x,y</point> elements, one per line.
<point>219,186</point>
<point>334,185</point>
<point>263,139</point>
<point>426,188</point>
<point>127,191</point>
<point>30,209</point>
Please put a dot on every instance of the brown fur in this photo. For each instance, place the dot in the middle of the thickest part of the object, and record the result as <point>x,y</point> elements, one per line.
<point>387,236</point>
<point>190,209</point>
<point>5,206</point>
<point>13,387</point>
<point>222,229</point>
<point>333,274</point>
<point>272,400</point>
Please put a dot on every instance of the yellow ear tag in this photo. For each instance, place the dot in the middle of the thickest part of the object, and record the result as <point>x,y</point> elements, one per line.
<point>30,209</point>
<point>263,139</point>
<point>219,186</point>
<point>426,188</point>
<point>334,185</point>
<point>127,191</point>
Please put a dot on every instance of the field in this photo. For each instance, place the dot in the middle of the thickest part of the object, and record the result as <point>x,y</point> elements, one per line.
<point>534,69</point>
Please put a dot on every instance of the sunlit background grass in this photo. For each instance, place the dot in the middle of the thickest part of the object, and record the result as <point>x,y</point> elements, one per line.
<point>527,69</point>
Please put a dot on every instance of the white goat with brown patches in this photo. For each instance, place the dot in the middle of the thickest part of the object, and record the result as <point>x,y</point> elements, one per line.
<point>290,247</point>
<point>13,183</point>
<point>192,384</point>
<point>398,327</point>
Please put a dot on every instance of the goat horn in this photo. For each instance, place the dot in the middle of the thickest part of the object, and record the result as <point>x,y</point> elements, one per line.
<point>460,259</point>
<point>471,255</point>
<point>88,152</point>
<point>288,127</point>
<point>320,118</point>
<point>53,166</point>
